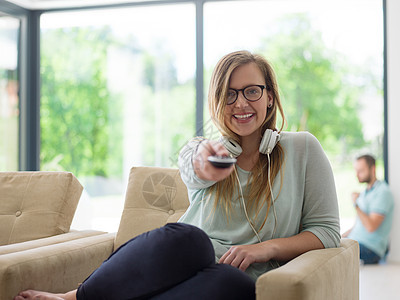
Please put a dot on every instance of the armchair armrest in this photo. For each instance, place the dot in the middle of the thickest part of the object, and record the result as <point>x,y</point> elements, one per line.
<point>54,268</point>
<point>56,239</point>
<point>319,274</point>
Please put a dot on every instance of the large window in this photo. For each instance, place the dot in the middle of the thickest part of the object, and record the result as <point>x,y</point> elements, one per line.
<point>328,56</point>
<point>118,85</point>
<point>9,100</point>
<point>117,91</point>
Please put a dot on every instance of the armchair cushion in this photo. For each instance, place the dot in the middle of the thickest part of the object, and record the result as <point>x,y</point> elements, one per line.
<point>154,197</point>
<point>35,205</point>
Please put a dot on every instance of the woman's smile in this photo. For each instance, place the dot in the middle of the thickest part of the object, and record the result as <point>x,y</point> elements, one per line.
<point>244,117</point>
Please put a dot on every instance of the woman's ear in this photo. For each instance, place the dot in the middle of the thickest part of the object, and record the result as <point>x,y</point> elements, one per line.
<point>270,100</point>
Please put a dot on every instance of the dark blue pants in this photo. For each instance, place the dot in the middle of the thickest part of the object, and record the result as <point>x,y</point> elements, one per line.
<point>368,256</point>
<point>176,261</point>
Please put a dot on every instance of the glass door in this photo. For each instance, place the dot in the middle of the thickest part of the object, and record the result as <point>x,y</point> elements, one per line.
<point>9,99</point>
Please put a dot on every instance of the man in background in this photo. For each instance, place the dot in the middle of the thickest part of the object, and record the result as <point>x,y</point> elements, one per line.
<point>374,207</point>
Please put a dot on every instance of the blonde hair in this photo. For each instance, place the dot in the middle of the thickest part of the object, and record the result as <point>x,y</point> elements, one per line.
<point>258,193</point>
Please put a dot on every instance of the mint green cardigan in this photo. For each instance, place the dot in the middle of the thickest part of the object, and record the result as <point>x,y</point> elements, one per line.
<point>307,200</point>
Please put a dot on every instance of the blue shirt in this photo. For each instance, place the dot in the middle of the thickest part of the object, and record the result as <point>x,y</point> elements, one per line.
<point>378,199</point>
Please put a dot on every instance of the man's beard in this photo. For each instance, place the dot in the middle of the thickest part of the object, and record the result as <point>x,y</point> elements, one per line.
<point>366,180</point>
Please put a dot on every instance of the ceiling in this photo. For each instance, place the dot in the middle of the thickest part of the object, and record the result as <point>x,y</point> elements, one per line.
<point>51,4</point>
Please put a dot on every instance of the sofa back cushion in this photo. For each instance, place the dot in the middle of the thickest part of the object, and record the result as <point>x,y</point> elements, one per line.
<point>35,205</point>
<point>154,197</point>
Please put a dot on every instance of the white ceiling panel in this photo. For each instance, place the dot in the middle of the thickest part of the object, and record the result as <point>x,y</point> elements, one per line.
<point>49,4</point>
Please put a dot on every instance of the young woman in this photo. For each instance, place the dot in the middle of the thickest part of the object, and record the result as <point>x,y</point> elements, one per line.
<point>298,214</point>
<point>277,202</point>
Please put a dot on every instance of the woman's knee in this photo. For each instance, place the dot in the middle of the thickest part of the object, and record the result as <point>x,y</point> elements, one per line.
<point>187,242</point>
<point>172,244</point>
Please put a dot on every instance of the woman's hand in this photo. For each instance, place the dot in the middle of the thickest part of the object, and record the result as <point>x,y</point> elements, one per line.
<point>281,249</point>
<point>203,168</point>
<point>243,256</point>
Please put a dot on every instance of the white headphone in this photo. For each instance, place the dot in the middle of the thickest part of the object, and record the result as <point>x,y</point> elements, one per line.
<point>268,142</point>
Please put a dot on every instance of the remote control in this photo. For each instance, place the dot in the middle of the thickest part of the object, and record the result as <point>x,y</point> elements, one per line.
<point>221,161</point>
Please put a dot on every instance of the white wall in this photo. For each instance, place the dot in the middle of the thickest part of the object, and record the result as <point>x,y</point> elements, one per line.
<point>393,71</point>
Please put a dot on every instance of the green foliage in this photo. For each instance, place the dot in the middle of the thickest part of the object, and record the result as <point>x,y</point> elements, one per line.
<point>82,118</point>
<point>316,94</point>
<point>159,71</point>
<point>169,123</point>
<point>169,109</point>
<point>76,107</point>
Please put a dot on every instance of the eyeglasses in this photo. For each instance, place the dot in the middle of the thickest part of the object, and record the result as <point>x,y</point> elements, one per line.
<point>251,93</point>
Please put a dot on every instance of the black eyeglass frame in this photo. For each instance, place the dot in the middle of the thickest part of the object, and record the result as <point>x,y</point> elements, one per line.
<point>262,87</point>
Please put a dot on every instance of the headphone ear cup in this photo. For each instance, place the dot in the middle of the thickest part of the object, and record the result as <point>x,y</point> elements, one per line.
<point>268,141</point>
<point>232,146</point>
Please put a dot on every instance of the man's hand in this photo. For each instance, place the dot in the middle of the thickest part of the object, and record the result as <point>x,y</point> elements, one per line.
<point>354,197</point>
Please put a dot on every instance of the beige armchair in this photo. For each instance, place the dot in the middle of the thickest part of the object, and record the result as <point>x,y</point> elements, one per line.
<point>156,196</point>
<point>36,211</point>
